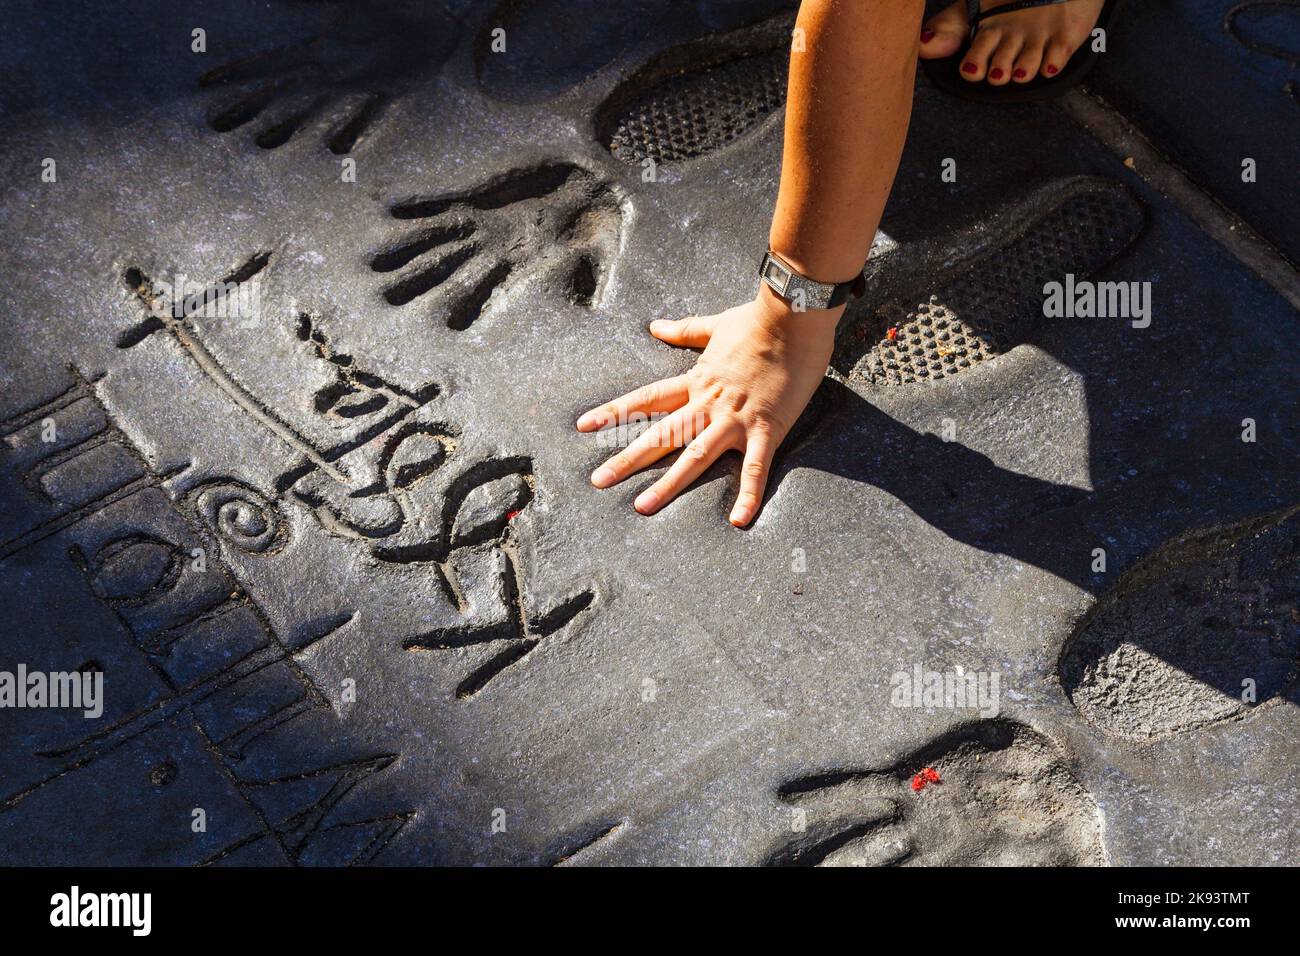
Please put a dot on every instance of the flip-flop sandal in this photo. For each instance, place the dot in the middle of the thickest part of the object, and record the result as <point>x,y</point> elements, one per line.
<point>946,73</point>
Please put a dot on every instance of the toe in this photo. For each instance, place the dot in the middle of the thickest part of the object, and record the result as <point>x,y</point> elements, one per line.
<point>1028,62</point>
<point>1003,59</point>
<point>1057,55</point>
<point>943,33</point>
<point>975,64</point>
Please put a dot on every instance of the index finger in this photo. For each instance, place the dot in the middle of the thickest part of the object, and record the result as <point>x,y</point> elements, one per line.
<point>665,395</point>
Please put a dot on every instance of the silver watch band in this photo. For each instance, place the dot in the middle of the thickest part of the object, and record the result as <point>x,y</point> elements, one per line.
<point>799,290</point>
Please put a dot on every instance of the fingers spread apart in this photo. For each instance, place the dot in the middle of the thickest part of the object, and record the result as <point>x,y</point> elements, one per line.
<point>659,439</point>
<point>699,454</point>
<point>665,395</point>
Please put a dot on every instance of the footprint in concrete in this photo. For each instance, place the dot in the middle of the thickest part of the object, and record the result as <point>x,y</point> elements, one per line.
<point>340,80</point>
<point>995,300</point>
<point>557,221</point>
<point>531,50</point>
<point>698,97</point>
<point>1005,796</point>
<point>1268,27</point>
<point>1202,631</point>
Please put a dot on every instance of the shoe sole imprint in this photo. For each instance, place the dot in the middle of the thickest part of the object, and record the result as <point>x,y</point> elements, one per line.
<point>698,97</point>
<point>1005,796</point>
<point>1246,35</point>
<point>1201,632</point>
<point>1077,225</point>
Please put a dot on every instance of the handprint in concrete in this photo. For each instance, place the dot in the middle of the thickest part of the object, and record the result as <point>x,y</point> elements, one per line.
<point>557,222</point>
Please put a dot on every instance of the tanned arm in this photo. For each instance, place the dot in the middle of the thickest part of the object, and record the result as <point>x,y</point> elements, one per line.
<point>847,112</point>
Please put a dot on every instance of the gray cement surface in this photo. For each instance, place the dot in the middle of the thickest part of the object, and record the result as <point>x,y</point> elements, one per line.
<point>337,557</point>
<point>1230,97</point>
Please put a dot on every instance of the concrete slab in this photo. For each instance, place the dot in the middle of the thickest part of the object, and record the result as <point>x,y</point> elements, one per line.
<point>293,344</point>
<point>1214,85</point>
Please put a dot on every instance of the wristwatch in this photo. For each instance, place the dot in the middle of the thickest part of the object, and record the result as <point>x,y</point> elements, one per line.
<point>802,292</point>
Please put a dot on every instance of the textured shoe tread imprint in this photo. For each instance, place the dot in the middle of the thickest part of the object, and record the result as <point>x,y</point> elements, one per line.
<point>698,98</point>
<point>1201,632</point>
<point>694,114</point>
<point>992,307</point>
<point>1005,797</point>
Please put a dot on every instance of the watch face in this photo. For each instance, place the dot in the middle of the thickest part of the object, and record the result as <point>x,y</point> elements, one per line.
<point>778,274</point>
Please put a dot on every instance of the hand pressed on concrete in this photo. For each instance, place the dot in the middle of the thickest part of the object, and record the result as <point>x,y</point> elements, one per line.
<point>761,363</point>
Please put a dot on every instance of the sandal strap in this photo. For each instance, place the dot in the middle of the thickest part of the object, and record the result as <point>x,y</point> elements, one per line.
<point>974,15</point>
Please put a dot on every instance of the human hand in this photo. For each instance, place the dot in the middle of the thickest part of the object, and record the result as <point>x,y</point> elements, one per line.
<point>761,363</point>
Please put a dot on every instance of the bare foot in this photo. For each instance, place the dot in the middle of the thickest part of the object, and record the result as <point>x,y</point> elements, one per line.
<point>1012,47</point>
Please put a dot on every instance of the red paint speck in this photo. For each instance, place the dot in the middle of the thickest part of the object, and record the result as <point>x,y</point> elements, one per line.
<point>892,333</point>
<point>510,516</point>
<point>926,776</point>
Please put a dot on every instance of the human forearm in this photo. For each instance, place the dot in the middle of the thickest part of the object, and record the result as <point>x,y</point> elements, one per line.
<point>846,118</point>
<point>847,111</point>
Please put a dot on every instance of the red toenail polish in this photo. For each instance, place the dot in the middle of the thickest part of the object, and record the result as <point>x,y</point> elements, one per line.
<point>1019,73</point>
<point>1052,70</point>
<point>969,67</point>
<point>995,73</point>
<point>927,35</point>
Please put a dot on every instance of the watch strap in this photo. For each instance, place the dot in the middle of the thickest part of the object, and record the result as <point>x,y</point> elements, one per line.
<point>808,293</point>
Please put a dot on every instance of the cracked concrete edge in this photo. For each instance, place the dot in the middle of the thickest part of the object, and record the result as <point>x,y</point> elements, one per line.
<point>1110,128</point>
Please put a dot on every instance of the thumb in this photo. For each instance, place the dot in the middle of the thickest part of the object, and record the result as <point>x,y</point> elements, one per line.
<point>692,332</point>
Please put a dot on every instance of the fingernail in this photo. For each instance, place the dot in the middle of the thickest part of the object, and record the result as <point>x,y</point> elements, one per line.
<point>585,421</point>
<point>602,476</point>
<point>969,68</point>
<point>995,73</point>
<point>646,503</point>
<point>1020,73</point>
<point>740,515</point>
<point>927,35</point>
<point>660,325</point>
<point>1052,70</point>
